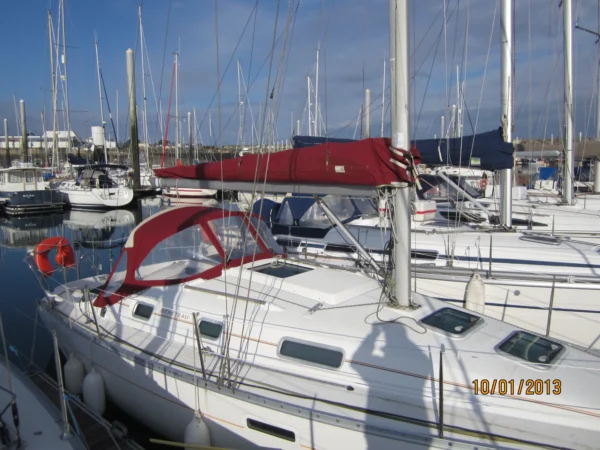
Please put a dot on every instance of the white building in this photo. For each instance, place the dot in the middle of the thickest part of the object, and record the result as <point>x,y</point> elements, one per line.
<point>37,142</point>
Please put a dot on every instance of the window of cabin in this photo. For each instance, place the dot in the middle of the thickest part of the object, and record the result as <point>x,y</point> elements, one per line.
<point>143,310</point>
<point>311,353</point>
<point>271,430</point>
<point>210,329</point>
<point>15,176</point>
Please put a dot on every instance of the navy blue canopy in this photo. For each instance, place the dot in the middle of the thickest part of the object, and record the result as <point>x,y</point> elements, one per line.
<point>487,151</point>
<point>292,217</point>
<point>309,141</point>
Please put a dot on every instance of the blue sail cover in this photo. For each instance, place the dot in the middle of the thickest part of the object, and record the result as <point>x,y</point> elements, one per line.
<point>487,151</point>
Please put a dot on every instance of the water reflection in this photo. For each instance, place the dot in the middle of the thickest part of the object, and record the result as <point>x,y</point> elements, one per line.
<point>98,238</point>
<point>25,232</point>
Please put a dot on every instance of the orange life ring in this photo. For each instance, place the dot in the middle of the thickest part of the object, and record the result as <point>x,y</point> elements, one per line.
<point>65,255</point>
<point>483,184</point>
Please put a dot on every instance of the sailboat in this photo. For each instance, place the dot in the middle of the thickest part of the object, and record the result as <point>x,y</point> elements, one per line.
<point>205,331</point>
<point>93,188</point>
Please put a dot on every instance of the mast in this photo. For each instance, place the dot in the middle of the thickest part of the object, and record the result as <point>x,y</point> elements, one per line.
<point>506,175</point>
<point>189,120</point>
<point>367,113</point>
<point>144,110</point>
<point>44,134</point>
<point>100,98</point>
<point>317,131</point>
<point>6,142</point>
<point>55,153</point>
<point>24,149</point>
<point>308,107</point>
<point>195,136</point>
<point>135,151</point>
<point>598,102</point>
<point>176,106</point>
<point>240,106</point>
<point>400,84</point>
<point>117,136</point>
<point>383,99</point>
<point>64,61</point>
<point>568,166</point>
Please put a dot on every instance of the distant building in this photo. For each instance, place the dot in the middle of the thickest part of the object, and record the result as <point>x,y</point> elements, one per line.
<point>37,142</point>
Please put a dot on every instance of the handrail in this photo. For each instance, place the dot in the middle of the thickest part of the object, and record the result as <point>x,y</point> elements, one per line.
<point>13,400</point>
<point>441,394</point>
<point>199,344</point>
<point>550,306</point>
<point>63,402</point>
<point>89,412</point>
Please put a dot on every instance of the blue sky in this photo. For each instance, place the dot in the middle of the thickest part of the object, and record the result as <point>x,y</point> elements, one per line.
<point>352,35</point>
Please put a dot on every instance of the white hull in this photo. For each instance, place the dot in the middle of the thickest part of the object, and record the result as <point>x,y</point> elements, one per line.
<point>188,192</point>
<point>203,201</point>
<point>115,197</point>
<point>312,357</point>
<point>163,397</point>
<point>165,404</point>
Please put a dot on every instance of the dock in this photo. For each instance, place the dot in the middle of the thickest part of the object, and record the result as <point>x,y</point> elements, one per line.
<point>97,432</point>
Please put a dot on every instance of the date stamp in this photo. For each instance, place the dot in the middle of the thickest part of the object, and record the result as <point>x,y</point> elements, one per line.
<point>502,386</point>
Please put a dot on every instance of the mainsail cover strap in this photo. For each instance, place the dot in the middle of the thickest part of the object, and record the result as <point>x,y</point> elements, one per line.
<point>405,160</point>
<point>357,163</point>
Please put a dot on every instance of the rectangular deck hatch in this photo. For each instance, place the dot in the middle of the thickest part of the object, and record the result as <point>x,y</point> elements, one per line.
<point>281,270</point>
<point>452,321</point>
<point>531,348</point>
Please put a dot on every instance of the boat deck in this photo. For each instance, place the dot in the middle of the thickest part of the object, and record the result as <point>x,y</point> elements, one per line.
<point>98,433</point>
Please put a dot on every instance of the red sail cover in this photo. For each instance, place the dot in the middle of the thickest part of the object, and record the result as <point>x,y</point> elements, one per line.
<point>362,163</point>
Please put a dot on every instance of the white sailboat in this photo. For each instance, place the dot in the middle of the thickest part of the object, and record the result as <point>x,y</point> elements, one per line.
<point>94,189</point>
<point>203,322</point>
<point>316,359</point>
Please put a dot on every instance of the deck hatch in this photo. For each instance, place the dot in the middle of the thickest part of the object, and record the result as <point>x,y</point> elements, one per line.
<point>452,321</point>
<point>531,348</point>
<point>282,270</point>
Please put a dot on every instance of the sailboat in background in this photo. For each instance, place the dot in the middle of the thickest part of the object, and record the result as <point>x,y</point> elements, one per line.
<point>180,192</point>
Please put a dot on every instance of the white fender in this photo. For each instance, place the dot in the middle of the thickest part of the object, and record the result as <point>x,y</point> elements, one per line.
<point>74,373</point>
<point>197,432</point>
<point>93,392</point>
<point>475,294</point>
